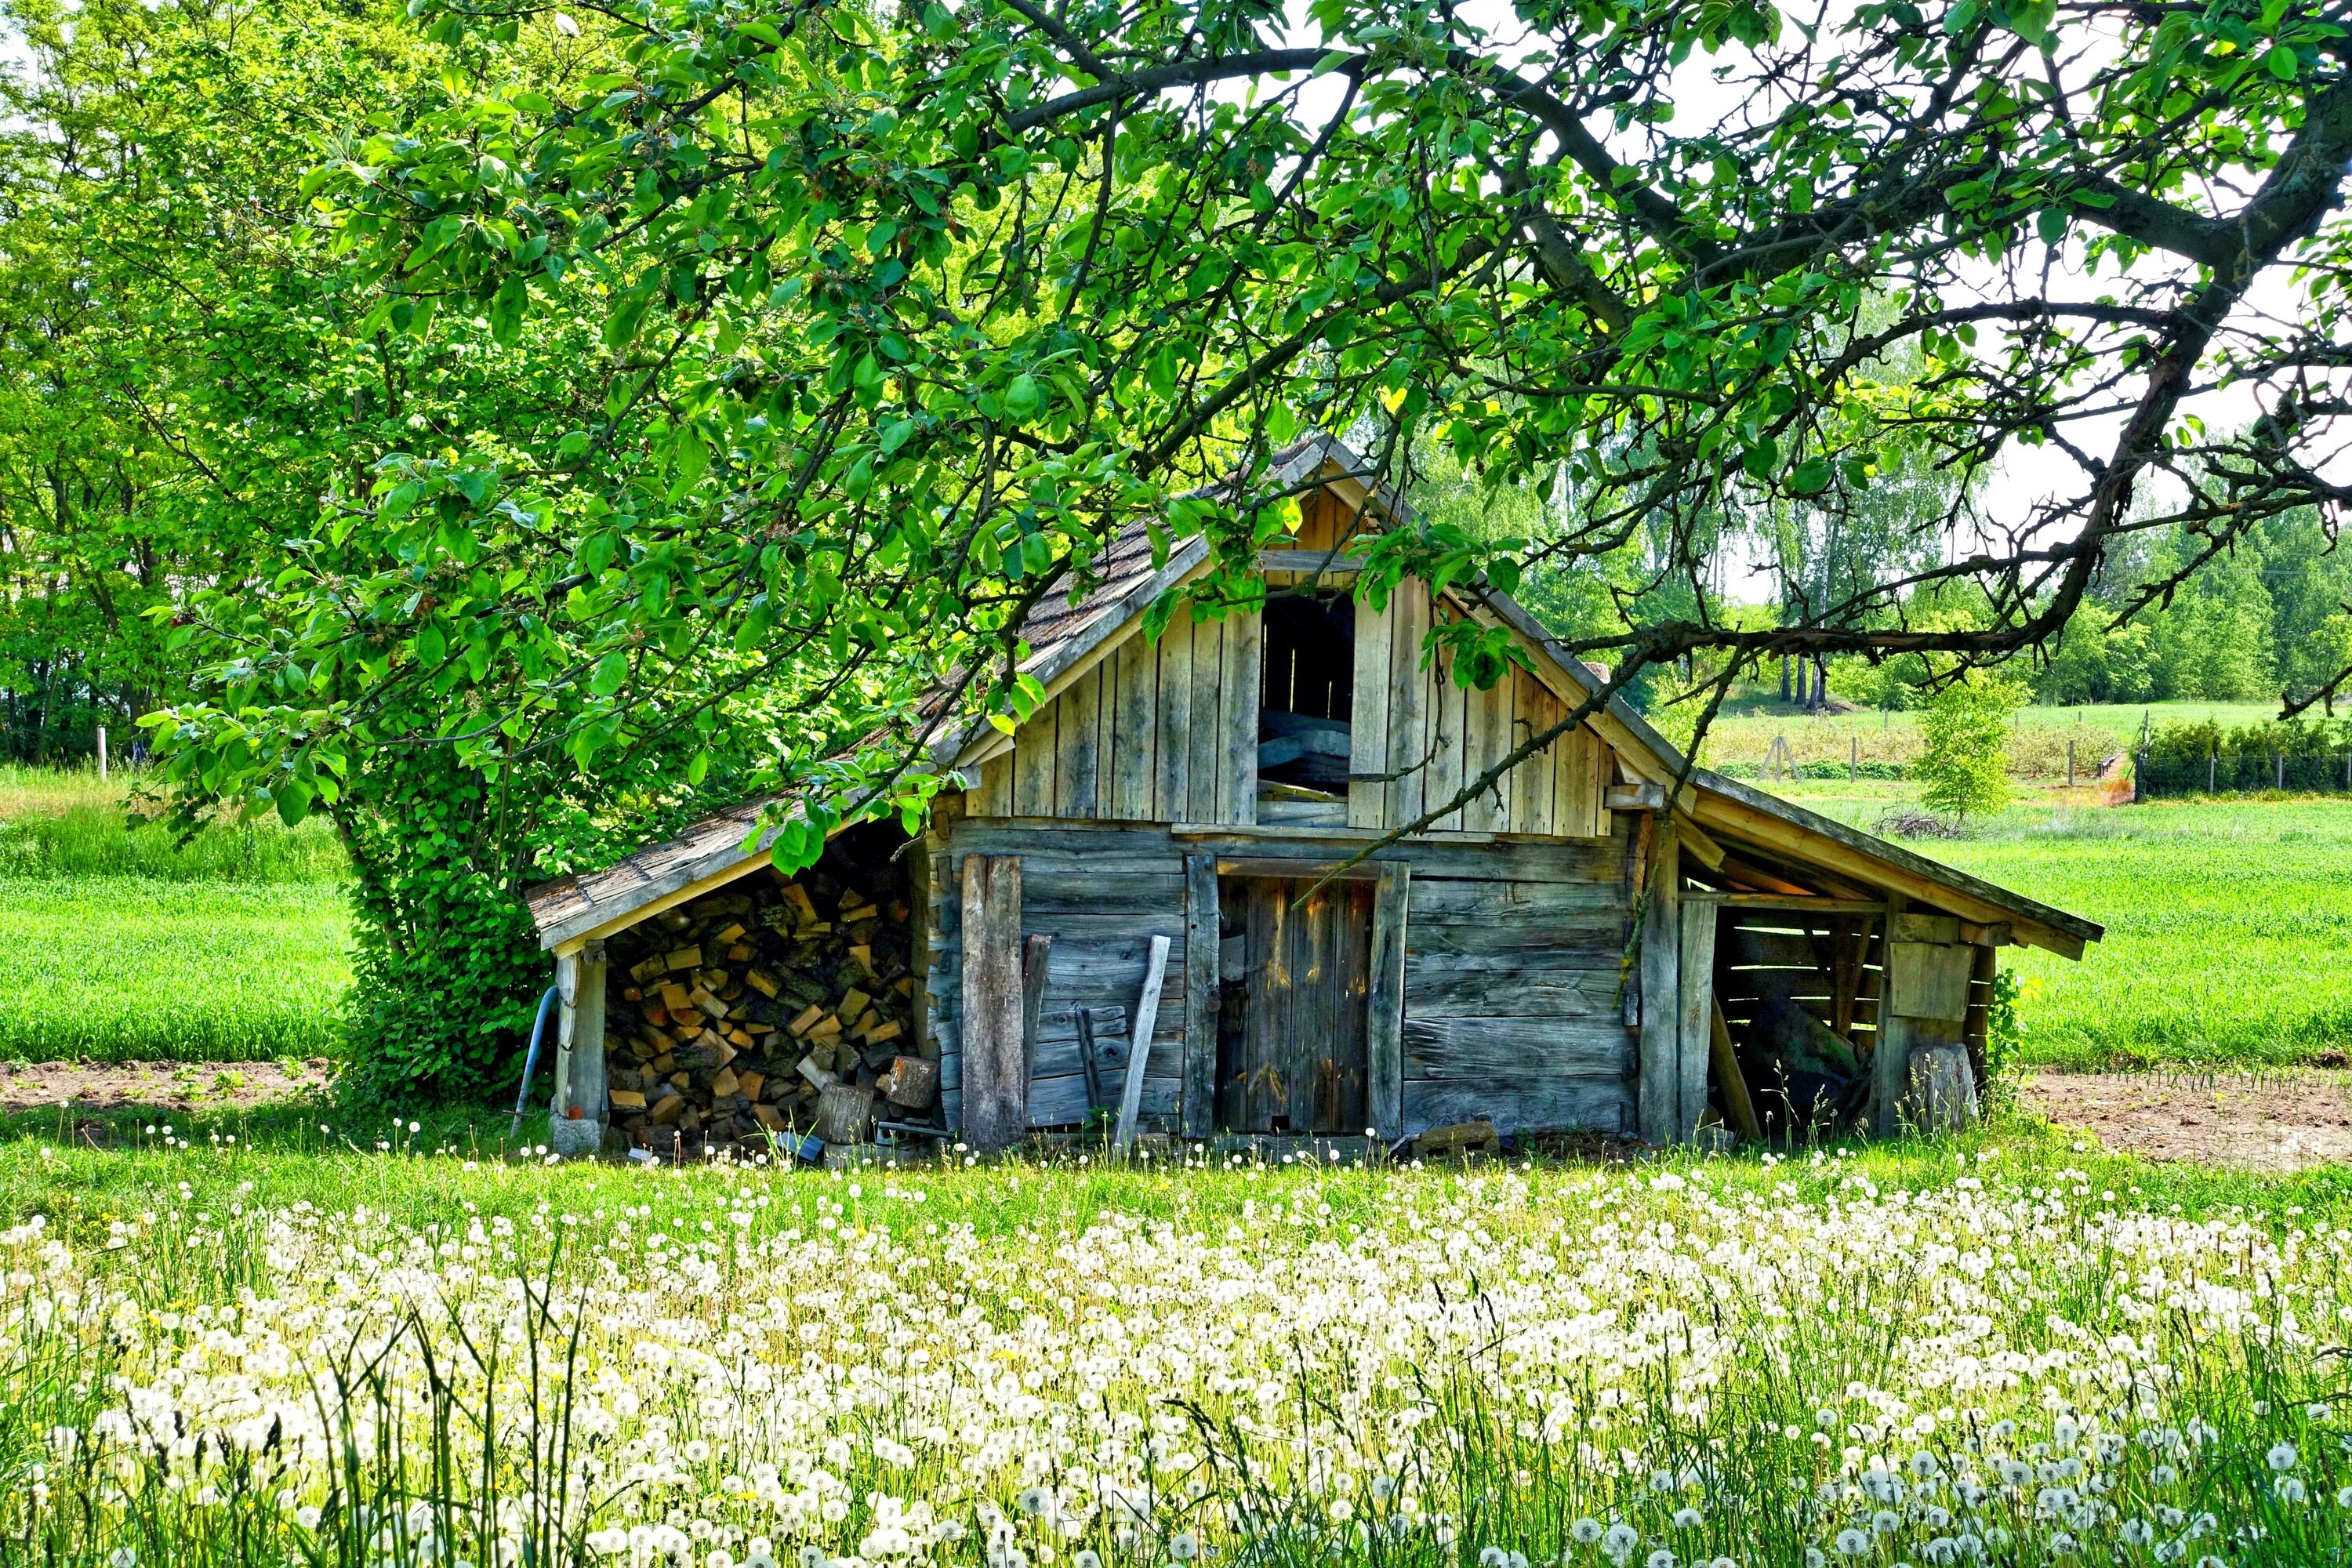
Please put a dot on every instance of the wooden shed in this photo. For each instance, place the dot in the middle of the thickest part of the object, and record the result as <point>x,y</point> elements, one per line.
<point>1146,865</point>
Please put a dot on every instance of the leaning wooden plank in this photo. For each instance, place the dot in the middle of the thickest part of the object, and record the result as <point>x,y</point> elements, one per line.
<point>1695,1005</point>
<point>1384,1006</point>
<point>1138,1050</point>
<point>1036,966</point>
<point>1074,781</point>
<point>1367,742</point>
<point>1134,765</point>
<point>1737,1102</point>
<point>995,1096</point>
<point>1034,747</point>
<point>1173,793</point>
<point>1201,986</point>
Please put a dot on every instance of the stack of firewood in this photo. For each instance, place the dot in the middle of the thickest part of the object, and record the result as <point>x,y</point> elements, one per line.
<point>775,1009</point>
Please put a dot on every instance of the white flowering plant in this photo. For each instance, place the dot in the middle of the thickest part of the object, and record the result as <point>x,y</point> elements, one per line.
<point>1311,1366</point>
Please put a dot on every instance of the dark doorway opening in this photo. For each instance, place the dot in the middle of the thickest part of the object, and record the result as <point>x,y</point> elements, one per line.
<point>1295,973</point>
<point>1309,659</point>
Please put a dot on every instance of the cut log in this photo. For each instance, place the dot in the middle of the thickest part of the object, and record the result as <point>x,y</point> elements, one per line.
<point>844,1113</point>
<point>911,1082</point>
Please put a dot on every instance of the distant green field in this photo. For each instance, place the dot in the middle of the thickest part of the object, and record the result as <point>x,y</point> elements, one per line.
<point>2229,924</point>
<point>119,943</point>
<point>138,968</point>
<point>2037,748</point>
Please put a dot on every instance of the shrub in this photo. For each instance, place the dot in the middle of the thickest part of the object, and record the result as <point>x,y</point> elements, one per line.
<point>1964,762</point>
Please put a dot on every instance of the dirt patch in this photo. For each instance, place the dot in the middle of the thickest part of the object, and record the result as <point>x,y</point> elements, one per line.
<point>2273,1123</point>
<point>165,1086</point>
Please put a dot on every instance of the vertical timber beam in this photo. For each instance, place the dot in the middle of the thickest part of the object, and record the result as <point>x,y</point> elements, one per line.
<point>1201,924</point>
<point>1695,1015</point>
<point>1660,1094</point>
<point>995,1087</point>
<point>576,1114</point>
<point>1384,1002</point>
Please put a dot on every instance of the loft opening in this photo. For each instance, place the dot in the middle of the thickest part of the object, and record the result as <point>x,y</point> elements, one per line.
<point>1309,692</point>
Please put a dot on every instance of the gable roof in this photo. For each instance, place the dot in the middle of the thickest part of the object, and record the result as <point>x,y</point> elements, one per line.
<point>1065,635</point>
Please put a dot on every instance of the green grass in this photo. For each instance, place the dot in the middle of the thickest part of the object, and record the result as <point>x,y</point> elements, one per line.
<point>144,968</point>
<point>2228,922</point>
<point>284,1348</point>
<point>119,941</point>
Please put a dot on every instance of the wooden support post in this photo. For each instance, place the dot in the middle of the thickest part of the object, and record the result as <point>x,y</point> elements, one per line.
<point>101,754</point>
<point>1202,922</point>
<point>1384,1002</point>
<point>1695,1004</point>
<point>576,1113</point>
<point>1036,952</point>
<point>1138,1049</point>
<point>995,1089</point>
<point>1659,1113</point>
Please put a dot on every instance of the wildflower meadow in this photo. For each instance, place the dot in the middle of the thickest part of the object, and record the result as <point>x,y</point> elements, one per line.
<point>2000,1361</point>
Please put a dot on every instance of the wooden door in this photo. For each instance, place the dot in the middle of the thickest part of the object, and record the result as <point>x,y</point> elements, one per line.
<point>1294,1055</point>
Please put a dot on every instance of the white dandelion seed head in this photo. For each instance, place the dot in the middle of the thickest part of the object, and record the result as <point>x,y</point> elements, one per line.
<point>2281,1457</point>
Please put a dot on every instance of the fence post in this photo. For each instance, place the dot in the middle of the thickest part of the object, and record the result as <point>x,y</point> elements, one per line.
<point>2212,761</point>
<point>101,754</point>
<point>1852,758</point>
<point>2279,758</point>
<point>2070,764</point>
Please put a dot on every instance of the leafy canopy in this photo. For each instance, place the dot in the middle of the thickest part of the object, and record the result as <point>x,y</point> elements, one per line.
<point>850,331</point>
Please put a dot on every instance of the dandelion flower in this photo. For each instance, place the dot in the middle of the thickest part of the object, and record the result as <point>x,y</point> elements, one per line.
<point>307,1516</point>
<point>1851,1542</point>
<point>2281,1457</point>
<point>1687,1519</point>
<point>2136,1533</point>
<point>1586,1531</point>
<point>2343,1497</point>
<point>1619,1541</point>
<point>1085,1557</point>
<point>1662,1558</point>
<point>1493,1557</point>
<point>1182,1547</point>
<point>2289,1489</point>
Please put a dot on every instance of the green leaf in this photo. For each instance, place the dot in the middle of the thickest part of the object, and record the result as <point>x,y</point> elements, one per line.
<point>610,672</point>
<point>293,801</point>
<point>1022,399</point>
<point>1811,478</point>
<point>2281,62</point>
<point>2051,223</point>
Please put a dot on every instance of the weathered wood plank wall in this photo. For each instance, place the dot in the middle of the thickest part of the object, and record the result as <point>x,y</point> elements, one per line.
<point>1511,985</point>
<point>1157,731</point>
<point>1417,738</point>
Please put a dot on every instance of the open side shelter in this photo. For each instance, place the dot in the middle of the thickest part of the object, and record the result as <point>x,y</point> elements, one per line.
<point>1141,871</point>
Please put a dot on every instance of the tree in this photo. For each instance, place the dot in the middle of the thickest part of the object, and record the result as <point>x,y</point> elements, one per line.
<point>793,351</point>
<point>1963,760</point>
